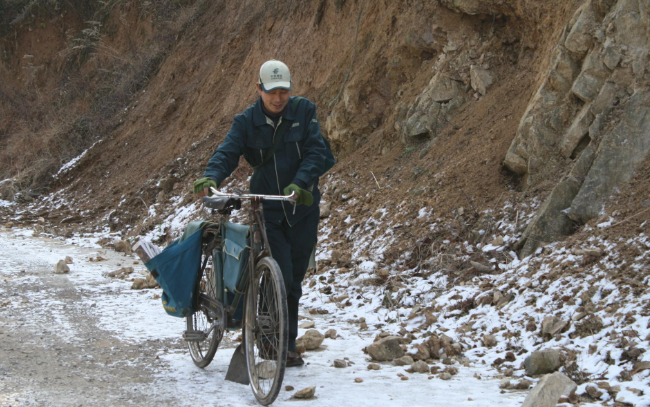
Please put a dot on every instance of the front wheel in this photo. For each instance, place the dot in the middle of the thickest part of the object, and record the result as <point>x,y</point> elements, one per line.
<point>266,331</point>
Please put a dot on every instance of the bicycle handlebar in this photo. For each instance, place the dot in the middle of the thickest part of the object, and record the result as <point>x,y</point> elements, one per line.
<point>286,198</point>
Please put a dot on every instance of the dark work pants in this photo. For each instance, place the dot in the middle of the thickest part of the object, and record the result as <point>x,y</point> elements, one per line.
<point>291,247</point>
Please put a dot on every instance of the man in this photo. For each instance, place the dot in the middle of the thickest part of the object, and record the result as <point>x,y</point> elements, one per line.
<point>295,165</point>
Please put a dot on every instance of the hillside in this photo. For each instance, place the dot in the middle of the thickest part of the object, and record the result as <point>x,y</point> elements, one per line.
<point>494,153</point>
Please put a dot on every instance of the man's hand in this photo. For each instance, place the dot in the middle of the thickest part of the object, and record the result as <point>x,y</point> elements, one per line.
<point>304,197</point>
<point>202,186</point>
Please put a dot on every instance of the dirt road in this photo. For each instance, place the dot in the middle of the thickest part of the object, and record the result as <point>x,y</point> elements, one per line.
<point>83,338</point>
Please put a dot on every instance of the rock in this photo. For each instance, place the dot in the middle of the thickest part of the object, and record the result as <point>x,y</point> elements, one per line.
<point>61,268</point>
<point>489,341</point>
<point>121,273</point>
<point>138,284</point>
<point>542,362</point>
<point>9,225</point>
<point>588,85</point>
<point>335,255</point>
<point>481,268</point>
<point>122,246</point>
<point>358,380</point>
<point>386,349</point>
<point>403,361</point>
<point>167,185</point>
<point>498,241</point>
<point>552,326</point>
<point>311,340</point>
<point>143,283</point>
<point>40,220</point>
<point>445,376</point>
<point>440,97</point>
<point>307,325</point>
<point>580,38</point>
<point>429,318</point>
<point>443,89</point>
<point>374,366</point>
<point>382,273</point>
<point>481,79</point>
<point>620,153</point>
<point>593,392</point>
<point>639,367</point>
<point>505,384</point>
<point>524,384</point>
<point>307,393</point>
<point>325,209</point>
<point>340,363</point>
<point>451,370</point>
<point>420,367</point>
<point>421,352</point>
<point>330,333</point>
<point>548,390</point>
<point>68,260</point>
<point>288,388</point>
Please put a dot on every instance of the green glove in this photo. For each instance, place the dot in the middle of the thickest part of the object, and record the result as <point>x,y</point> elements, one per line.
<point>203,183</point>
<point>304,197</point>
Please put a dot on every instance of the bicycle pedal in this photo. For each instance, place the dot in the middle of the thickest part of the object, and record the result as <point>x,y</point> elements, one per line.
<point>194,336</point>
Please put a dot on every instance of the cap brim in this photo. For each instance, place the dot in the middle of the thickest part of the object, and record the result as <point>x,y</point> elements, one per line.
<point>276,85</point>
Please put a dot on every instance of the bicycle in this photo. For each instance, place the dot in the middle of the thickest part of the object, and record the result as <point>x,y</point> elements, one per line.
<point>260,282</point>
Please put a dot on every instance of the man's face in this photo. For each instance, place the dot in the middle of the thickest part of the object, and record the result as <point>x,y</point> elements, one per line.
<point>275,100</point>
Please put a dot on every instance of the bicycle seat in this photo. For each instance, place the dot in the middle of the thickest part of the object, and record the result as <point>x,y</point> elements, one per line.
<point>221,202</point>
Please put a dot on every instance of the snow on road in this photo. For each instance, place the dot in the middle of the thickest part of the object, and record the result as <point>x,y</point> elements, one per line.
<point>135,319</point>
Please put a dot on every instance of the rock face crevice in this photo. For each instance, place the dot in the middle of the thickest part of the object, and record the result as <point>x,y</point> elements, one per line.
<point>589,119</point>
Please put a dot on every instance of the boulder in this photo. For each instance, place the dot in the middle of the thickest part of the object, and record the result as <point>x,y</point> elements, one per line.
<point>386,349</point>
<point>420,367</point>
<point>403,361</point>
<point>330,333</point>
<point>481,79</point>
<point>420,352</point>
<point>144,283</point>
<point>552,326</point>
<point>542,362</point>
<point>307,393</point>
<point>61,268</point>
<point>548,390</point>
<point>489,341</point>
<point>580,38</point>
<point>307,325</point>
<point>311,340</point>
<point>122,246</point>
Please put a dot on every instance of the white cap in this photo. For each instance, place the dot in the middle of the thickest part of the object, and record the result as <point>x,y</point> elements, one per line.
<point>274,75</point>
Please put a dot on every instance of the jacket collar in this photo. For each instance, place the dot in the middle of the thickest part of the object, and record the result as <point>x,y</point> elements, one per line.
<point>259,118</point>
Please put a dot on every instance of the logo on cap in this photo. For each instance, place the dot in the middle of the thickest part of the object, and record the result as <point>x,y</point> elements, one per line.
<point>276,70</point>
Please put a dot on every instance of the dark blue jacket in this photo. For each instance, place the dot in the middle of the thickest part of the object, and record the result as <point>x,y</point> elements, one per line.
<point>300,159</point>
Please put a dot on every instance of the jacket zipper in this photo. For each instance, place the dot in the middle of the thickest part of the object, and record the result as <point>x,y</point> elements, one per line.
<point>277,178</point>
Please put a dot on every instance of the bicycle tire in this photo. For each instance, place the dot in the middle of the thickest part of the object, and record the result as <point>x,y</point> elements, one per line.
<point>208,319</point>
<point>266,331</point>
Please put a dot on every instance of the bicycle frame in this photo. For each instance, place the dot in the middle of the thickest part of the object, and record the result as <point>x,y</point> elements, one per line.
<point>259,244</point>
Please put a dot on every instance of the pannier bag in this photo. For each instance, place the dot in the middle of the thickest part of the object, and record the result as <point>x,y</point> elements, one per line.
<point>177,270</point>
<point>235,257</point>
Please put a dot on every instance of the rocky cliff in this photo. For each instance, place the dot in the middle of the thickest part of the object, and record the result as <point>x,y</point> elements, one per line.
<point>452,104</point>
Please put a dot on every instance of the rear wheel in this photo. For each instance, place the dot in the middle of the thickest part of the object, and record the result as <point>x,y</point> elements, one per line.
<point>266,331</point>
<point>206,326</point>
